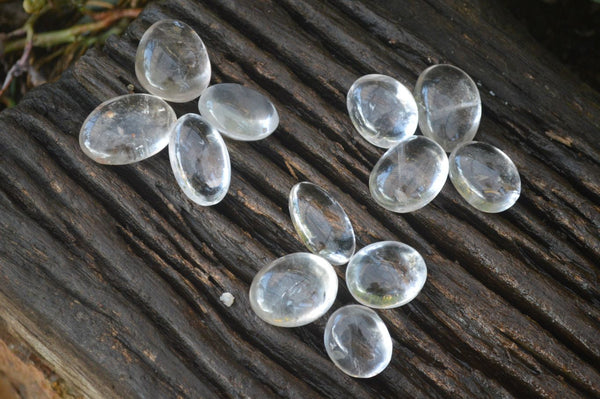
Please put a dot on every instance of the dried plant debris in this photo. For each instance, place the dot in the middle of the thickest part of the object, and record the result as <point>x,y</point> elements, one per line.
<point>52,36</point>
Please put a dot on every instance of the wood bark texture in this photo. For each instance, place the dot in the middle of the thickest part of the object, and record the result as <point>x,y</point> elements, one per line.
<point>115,277</point>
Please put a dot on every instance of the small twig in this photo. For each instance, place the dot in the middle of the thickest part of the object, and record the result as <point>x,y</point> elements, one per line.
<point>117,14</point>
<point>22,64</point>
<point>100,4</point>
<point>18,68</point>
<point>14,33</point>
<point>90,8</point>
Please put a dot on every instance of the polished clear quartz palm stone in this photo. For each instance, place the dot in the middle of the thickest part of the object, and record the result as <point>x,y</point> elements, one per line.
<point>200,160</point>
<point>171,61</point>
<point>238,112</point>
<point>386,274</point>
<point>409,175</point>
<point>321,223</point>
<point>127,129</point>
<point>485,177</point>
<point>382,110</point>
<point>357,341</point>
<point>449,105</point>
<point>294,290</point>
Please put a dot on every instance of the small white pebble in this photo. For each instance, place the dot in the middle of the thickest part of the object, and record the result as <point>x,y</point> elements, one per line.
<point>227,299</point>
<point>492,93</point>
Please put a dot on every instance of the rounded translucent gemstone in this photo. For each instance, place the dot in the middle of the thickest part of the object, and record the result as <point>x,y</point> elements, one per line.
<point>449,105</point>
<point>321,223</point>
<point>357,341</point>
<point>238,112</point>
<point>171,61</point>
<point>200,160</point>
<point>382,109</point>
<point>485,177</point>
<point>127,129</point>
<point>294,290</point>
<point>386,274</point>
<point>409,175</point>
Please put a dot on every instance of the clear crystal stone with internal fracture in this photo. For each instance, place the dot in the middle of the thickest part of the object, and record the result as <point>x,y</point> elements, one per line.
<point>238,112</point>
<point>382,110</point>
<point>321,222</point>
<point>200,160</point>
<point>171,61</point>
<point>127,129</point>
<point>485,177</point>
<point>449,105</point>
<point>386,274</point>
<point>409,175</point>
<point>357,341</point>
<point>294,290</point>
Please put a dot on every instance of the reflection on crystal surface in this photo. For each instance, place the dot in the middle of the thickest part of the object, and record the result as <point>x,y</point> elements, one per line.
<point>409,175</point>
<point>449,105</point>
<point>127,129</point>
<point>321,223</point>
<point>238,112</point>
<point>357,341</point>
<point>294,290</point>
<point>485,177</point>
<point>386,274</point>
<point>200,160</point>
<point>171,61</point>
<point>382,110</point>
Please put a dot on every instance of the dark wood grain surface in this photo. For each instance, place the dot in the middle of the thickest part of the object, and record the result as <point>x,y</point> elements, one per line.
<point>114,277</point>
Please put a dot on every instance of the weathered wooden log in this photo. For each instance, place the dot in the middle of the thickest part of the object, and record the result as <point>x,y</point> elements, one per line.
<point>114,276</point>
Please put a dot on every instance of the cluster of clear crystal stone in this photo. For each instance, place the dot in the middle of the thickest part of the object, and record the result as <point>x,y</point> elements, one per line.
<point>408,176</point>
<point>297,289</point>
<point>414,169</point>
<point>172,64</point>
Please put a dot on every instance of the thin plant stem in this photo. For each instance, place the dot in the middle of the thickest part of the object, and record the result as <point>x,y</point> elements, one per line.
<point>99,3</point>
<point>23,63</point>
